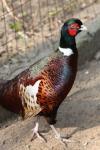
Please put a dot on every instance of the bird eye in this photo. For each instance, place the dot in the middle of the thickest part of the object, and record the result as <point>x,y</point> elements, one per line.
<point>74,26</point>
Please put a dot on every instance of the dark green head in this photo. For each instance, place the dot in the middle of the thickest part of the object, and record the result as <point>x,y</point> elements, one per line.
<point>69,30</point>
<point>72,27</point>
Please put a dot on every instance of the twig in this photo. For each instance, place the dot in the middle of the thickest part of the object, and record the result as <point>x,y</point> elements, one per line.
<point>9,10</point>
<point>13,16</point>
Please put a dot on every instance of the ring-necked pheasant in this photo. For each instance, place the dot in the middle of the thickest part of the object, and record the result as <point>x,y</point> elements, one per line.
<point>41,91</point>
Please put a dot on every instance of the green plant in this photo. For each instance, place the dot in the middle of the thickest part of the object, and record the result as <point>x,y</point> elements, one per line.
<point>16,26</point>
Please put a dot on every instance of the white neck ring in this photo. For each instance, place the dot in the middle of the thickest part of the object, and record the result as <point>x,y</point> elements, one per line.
<point>66,51</point>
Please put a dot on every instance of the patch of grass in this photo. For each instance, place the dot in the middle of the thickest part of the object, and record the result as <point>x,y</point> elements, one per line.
<point>16,26</point>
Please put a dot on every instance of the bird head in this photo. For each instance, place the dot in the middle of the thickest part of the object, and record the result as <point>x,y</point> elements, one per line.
<point>72,27</point>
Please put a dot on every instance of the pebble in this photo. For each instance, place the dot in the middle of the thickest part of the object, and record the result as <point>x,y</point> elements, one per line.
<point>87,72</point>
<point>97,56</point>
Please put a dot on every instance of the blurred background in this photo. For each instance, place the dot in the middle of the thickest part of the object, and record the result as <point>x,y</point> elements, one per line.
<point>29,29</point>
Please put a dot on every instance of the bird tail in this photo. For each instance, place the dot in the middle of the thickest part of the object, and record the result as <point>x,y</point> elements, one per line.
<point>9,97</point>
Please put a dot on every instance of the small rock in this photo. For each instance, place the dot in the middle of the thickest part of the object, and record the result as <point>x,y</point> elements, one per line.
<point>4,142</point>
<point>1,35</point>
<point>97,56</point>
<point>87,72</point>
<point>83,5</point>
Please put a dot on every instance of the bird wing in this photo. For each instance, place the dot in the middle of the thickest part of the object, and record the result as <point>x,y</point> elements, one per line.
<point>10,90</point>
<point>28,96</point>
<point>28,86</point>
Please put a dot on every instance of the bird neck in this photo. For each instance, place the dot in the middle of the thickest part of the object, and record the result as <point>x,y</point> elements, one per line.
<point>67,41</point>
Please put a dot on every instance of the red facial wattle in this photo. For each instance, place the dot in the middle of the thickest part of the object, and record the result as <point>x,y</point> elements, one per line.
<point>73,29</point>
<point>72,32</point>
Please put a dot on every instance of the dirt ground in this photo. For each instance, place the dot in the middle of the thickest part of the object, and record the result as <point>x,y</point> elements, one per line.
<point>78,117</point>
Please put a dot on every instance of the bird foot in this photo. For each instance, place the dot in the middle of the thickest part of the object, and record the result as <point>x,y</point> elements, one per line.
<point>37,134</point>
<point>63,140</point>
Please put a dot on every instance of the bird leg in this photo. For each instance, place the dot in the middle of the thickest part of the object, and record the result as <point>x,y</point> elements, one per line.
<point>37,134</point>
<point>58,136</point>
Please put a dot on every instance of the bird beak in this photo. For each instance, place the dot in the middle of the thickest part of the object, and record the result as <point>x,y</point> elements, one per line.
<point>83,28</point>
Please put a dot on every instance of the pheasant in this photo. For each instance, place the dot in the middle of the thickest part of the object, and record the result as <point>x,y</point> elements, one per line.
<point>40,89</point>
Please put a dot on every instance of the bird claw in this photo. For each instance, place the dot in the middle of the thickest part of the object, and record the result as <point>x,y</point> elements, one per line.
<point>37,134</point>
<point>63,140</point>
<point>57,136</point>
<point>67,140</point>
